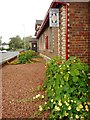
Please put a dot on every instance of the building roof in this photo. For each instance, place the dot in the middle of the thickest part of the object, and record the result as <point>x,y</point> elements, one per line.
<point>53,5</point>
<point>38,22</point>
<point>32,40</point>
<point>4,43</point>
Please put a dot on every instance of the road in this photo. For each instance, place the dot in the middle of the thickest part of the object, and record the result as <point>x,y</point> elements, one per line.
<point>7,56</point>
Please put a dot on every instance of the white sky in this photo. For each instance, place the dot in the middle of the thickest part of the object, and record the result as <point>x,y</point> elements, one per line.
<point>15,15</point>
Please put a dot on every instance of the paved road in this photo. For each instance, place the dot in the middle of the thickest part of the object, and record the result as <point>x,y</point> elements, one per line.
<point>7,56</point>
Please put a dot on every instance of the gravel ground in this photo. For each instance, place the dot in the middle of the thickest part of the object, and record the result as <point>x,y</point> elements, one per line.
<point>18,88</point>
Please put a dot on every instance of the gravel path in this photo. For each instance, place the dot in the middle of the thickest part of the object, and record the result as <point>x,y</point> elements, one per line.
<point>18,85</point>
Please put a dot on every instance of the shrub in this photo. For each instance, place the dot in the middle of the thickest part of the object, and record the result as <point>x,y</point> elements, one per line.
<point>33,53</point>
<point>67,89</point>
<point>24,57</point>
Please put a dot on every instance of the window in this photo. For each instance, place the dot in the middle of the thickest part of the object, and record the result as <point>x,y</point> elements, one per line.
<point>46,42</point>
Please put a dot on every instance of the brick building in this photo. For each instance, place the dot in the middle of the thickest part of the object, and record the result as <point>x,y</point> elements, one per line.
<point>72,37</point>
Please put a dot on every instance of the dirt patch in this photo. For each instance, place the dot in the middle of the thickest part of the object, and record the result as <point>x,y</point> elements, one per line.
<point>18,88</point>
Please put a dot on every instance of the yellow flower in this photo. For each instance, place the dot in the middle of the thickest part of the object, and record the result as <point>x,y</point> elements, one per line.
<point>54,103</point>
<point>78,109</point>
<point>61,72</point>
<point>71,118</point>
<point>60,103</point>
<point>37,96</point>
<point>69,108</point>
<point>66,103</point>
<point>77,116</point>
<point>57,108</point>
<point>74,101</point>
<point>84,103</point>
<point>71,100</point>
<point>69,72</point>
<point>64,96</point>
<point>40,108</point>
<point>48,108</point>
<point>86,107</point>
<point>45,102</point>
<point>80,106</point>
<point>34,98</point>
<point>51,100</point>
<point>52,89</point>
<point>42,96</point>
<point>61,86</point>
<point>66,114</point>
<point>60,117</point>
<point>82,118</point>
<point>88,103</point>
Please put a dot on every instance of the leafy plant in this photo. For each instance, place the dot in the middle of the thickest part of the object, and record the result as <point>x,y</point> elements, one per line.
<point>33,53</point>
<point>67,88</point>
<point>26,57</point>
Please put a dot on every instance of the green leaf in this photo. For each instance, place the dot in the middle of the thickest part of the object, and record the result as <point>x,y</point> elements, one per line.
<point>82,83</point>
<point>51,82</point>
<point>74,72</point>
<point>66,77</point>
<point>57,91</point>
<point>72,89</point>
<point>63,67</point>
<point>66,87</point>
<point>51,105</point>
<point>75,79</point>
<point>62,82</point>
<point>50,93</point>
<point>83,99</point>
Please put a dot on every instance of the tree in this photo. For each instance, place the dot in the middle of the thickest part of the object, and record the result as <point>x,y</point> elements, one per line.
<point>0,40</point>
<point>15,43</point>
<point>26,42</point>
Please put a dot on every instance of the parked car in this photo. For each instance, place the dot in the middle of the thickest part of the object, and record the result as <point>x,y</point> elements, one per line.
<point>3,51</point>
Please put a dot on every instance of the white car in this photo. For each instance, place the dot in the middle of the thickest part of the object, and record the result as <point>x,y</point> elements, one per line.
<point>3,51</point>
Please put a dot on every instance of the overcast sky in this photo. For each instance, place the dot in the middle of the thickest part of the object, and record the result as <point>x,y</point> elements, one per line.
<point>15,15</point>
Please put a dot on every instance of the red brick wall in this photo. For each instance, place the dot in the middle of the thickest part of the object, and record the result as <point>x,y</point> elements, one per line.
<point>47,52</point>
<point>79,31</point>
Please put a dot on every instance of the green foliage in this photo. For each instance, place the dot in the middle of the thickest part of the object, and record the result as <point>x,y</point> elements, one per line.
<point>0,41</point>
<point>16,43</point>
<point>26,57</point>
<point>67,88</point>
<point>27,39</point>
<point>33,53</point>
